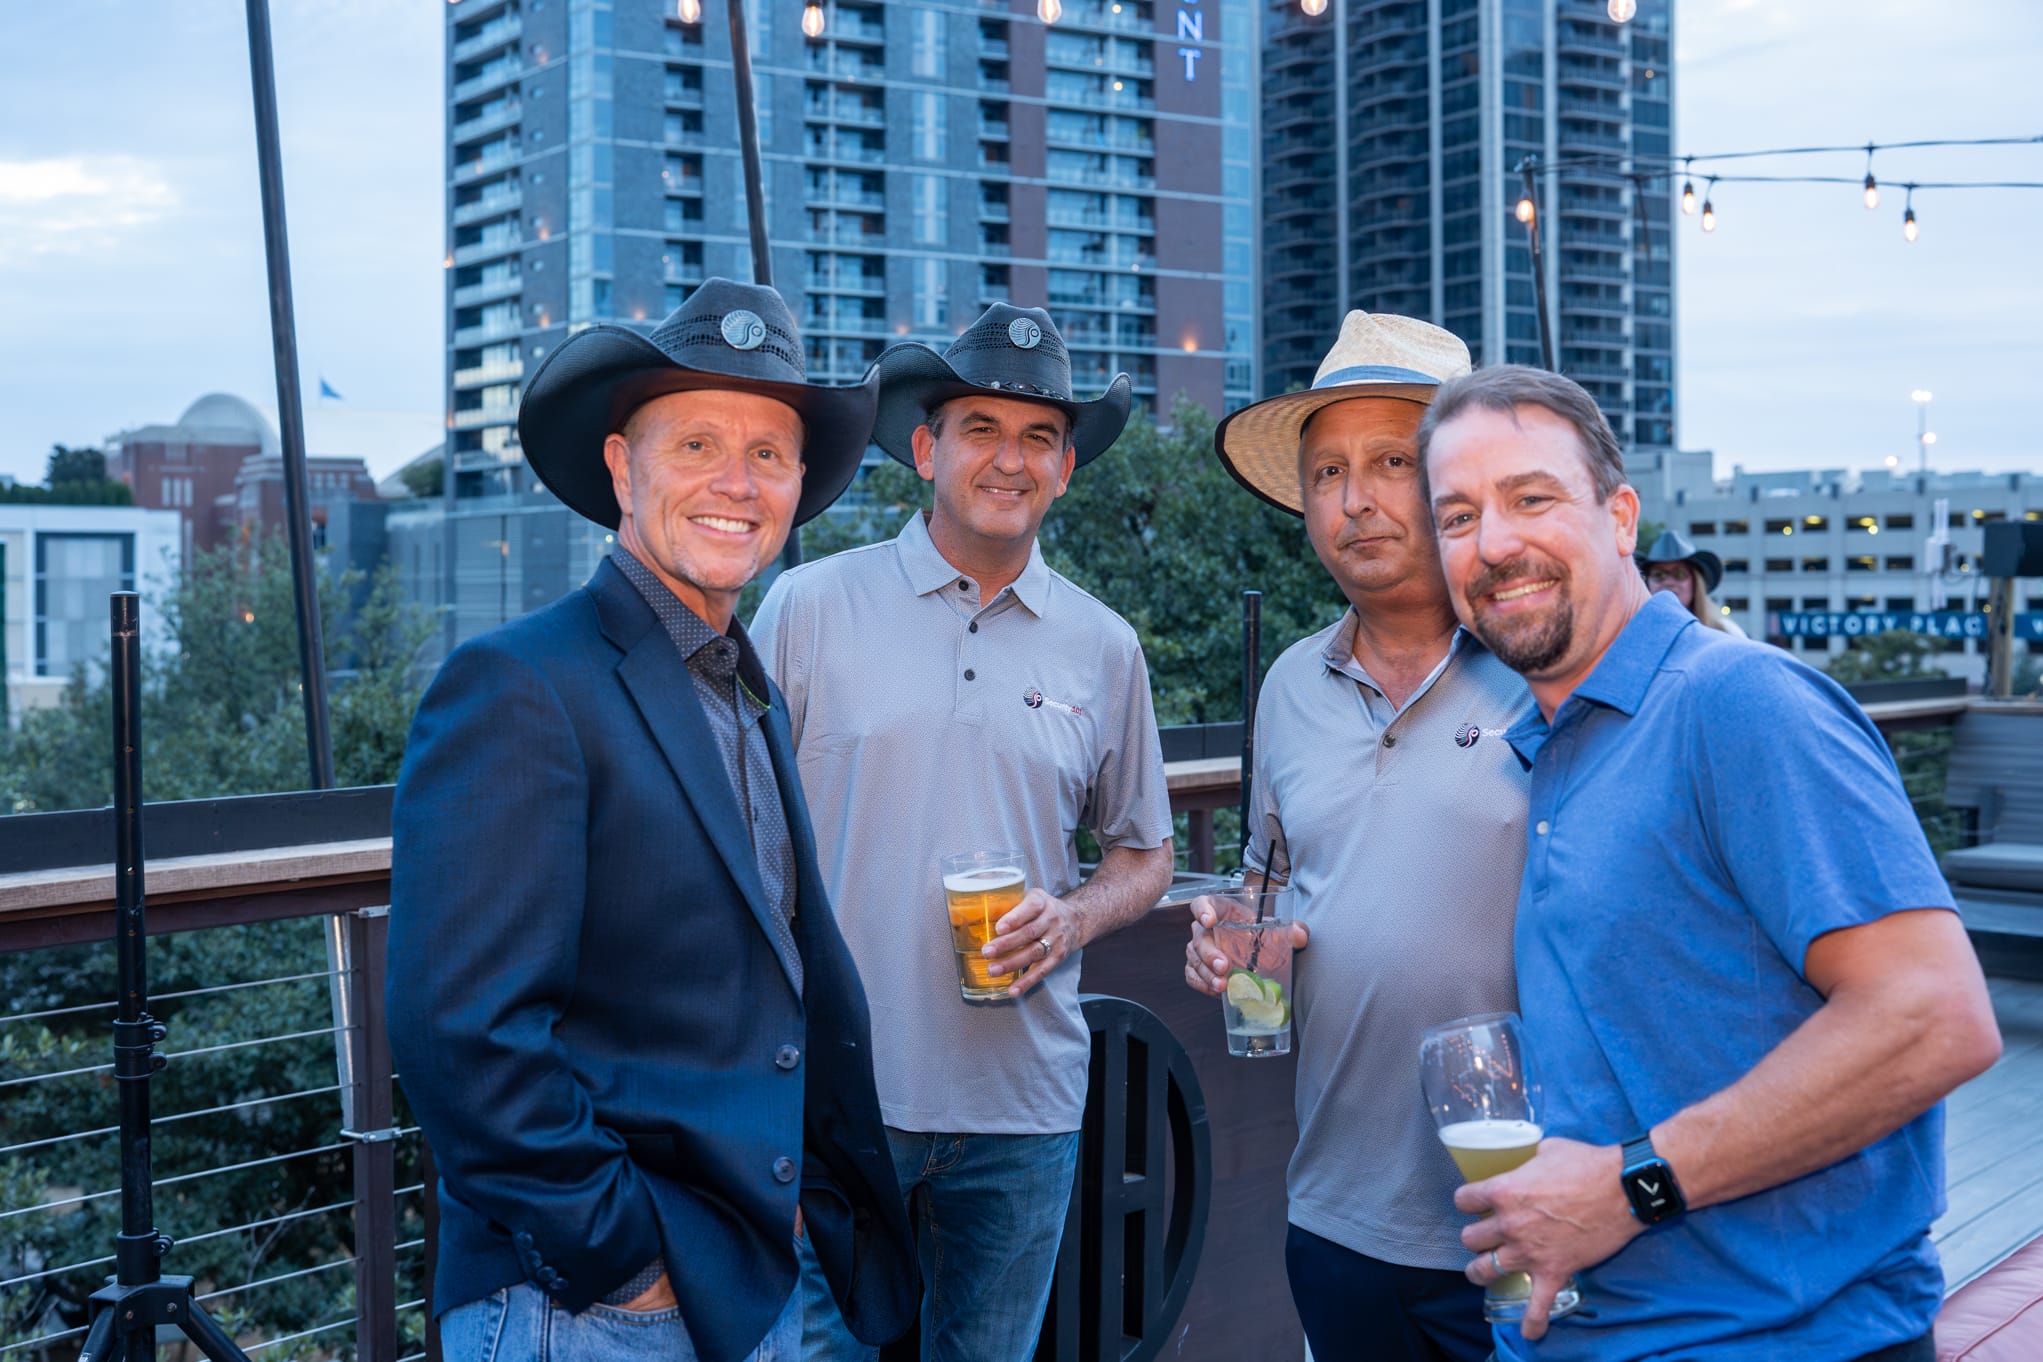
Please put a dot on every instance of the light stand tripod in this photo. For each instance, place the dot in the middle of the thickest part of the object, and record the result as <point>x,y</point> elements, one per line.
<point>128,1309</point>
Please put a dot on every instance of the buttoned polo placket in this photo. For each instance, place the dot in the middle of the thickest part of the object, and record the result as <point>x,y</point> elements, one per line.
<point>1389,732</point>
<point>970,682</point>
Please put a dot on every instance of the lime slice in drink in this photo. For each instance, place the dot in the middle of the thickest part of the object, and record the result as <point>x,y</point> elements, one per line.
<point>1245,989</point>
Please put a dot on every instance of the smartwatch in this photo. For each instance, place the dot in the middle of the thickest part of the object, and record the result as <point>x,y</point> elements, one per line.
<point>1649,1183</point>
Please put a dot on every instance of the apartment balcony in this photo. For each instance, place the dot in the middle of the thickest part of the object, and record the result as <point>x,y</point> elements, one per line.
<point>493,120</point>
<point>501,33</point>
<point>993,49</point>
<point>495,78</point>
<point>481,375</point>
<point>495,205</point>
<point>845,111</point>
<point>490,248</point>
<point>682,96</point>
<point>468,336</point>
<point>482,166</point>
<point>864,285</point>
<point>846,27</point>
<point>998,212</point>
<point>475,418</point>
<point>489,291</point>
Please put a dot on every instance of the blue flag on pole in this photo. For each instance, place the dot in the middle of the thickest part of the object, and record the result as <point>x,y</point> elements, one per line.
<point>326,390</point>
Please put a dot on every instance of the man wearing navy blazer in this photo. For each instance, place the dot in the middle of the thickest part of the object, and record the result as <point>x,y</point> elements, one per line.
<point>619,1001</point>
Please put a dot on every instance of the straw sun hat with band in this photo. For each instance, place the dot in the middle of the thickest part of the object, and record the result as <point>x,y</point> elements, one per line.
<point>1379,356</point>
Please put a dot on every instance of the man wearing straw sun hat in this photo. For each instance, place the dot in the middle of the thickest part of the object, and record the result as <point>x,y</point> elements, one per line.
<point>949,693</point>
<point>1384,793</point>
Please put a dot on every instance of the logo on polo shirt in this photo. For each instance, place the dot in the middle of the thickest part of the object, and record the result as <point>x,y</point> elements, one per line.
<point>1466,735</point>
<point>1035,699</point>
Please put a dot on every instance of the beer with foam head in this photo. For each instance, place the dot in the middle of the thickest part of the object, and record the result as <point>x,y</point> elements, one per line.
<point>1486,1149</point>
<point>978,889</point>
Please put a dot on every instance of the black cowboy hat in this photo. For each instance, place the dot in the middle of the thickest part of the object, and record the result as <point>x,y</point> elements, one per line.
<point>1673,547</point>
<point>1009,352</point>
<point>728,337</point>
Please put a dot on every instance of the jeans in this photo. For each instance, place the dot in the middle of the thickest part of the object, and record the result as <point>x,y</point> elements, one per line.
<point>1360,1309</point>
<point>519,1324</point>
<point>988,1215</point>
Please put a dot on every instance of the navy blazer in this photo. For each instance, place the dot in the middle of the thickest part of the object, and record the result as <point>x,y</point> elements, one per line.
<point>587,1009</point>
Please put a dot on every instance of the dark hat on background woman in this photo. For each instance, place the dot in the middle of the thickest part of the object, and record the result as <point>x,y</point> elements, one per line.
<point>1009,352</point>
<point>1673,547</point>
<point>728,337</point>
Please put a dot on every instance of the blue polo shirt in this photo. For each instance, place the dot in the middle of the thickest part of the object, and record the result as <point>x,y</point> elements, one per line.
<point>1703,808</point>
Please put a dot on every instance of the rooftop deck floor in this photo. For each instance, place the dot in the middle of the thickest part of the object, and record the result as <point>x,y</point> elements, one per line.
<point>1993,1145</point>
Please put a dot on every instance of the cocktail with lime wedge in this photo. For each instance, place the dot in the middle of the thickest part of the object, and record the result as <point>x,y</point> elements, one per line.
<point>1254,932</point>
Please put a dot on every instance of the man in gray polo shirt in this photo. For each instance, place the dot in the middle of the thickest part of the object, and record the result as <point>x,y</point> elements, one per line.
<point>1384,790</point>
<point>950,693</point>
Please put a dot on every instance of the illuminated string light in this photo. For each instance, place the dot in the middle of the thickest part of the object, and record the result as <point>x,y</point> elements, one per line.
<point>1710,208</point>
<point>1687,188</point>
<point>1909,231</point>
<point>1313,8</point>
<point>812,20</point>
<point>1526,209</point>
<point>1049,11</point>
<point>1622,11</point>
<point>1872,185</point>
<point>691,11</point>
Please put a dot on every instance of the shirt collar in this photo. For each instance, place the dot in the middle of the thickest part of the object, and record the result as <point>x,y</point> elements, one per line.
<point>928,570</point>
<point>1626,670</point>
<point>1339,653</point>
<point>1621,677</point>
<point>690,632</point>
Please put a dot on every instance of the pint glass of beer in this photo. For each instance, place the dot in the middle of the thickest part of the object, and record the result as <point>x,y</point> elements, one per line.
<point>979,886</point>
<point>1485,1101</point>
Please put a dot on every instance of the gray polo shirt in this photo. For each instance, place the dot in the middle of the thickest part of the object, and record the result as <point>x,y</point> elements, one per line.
<point>1406,836</point>
<point>916,737</point>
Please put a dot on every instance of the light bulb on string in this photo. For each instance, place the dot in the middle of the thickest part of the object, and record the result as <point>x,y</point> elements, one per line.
<point>1526,209</point>
<point>691,11</point>
<point>1872,185</point>
<point>812,20</point>
<point>1709,208</point>
<point>1049,11</point>
<point>1622,11</point>
<point>1687,187</point>
<point>1909,230</point>
<point>1313,8</point>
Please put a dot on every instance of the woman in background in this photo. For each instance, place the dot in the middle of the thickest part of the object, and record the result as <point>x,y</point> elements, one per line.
<point>1689,574</point>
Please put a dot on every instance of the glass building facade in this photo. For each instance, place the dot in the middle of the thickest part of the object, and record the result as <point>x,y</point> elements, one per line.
<point>1392,135</point>
<point>921,160</point>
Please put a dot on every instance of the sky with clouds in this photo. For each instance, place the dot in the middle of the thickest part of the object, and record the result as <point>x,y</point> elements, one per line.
<point>131,261</point>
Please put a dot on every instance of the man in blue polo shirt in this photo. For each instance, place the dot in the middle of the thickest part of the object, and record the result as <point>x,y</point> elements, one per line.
<point>1743,979</point>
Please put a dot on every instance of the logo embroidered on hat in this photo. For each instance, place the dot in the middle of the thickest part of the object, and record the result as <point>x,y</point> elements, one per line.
<point>1025,333</point>
<point>743,329</point>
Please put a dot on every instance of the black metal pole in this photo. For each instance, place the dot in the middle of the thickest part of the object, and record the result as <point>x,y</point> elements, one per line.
<point>1251,676</point>
<point>139,1298</point>
<point>290,405</point>
<point>748,144</point>
<point>755,193</point>
<point>1527,167</point>
<point>138,1247</point>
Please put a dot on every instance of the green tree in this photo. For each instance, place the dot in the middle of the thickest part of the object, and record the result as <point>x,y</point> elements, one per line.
<point>221,710</point>
<point>221,716</point>
<point>1893,655</point>
<point>73,477</point>
<point>426,479</point>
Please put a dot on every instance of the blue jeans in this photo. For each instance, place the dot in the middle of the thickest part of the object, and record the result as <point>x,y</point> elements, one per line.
<point>988,1214</point>
<point>519,1324</point>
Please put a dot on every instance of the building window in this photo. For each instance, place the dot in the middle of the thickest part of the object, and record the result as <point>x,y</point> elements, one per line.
<point>1815,565</point>
<point>1780,527</point>
<point>1737,527</point>
<point>1737,565</point>
<point>1900,562</point>
<point>1903,521</point>
<point>927,58</point>
<point>74,574</point>
<point>1864,562</point>
<point>932,293</point>
<point>1780,565</point>
<point>1699,529</point>
<point>927,125</point>
<point>932,209</point>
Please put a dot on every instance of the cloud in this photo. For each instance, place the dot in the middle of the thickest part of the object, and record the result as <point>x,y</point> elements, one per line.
<point>74,204</point>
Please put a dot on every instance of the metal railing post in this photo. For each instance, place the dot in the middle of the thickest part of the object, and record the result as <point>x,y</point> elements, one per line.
<point>374,1135</point>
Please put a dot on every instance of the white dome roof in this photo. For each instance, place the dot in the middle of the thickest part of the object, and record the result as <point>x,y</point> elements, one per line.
<point>225,414</point>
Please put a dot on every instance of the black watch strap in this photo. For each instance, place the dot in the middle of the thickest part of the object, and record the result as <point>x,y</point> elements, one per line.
<point>1649,1183</point>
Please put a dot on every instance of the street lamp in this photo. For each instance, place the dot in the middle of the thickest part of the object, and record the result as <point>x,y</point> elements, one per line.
<point>1924,436</point>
